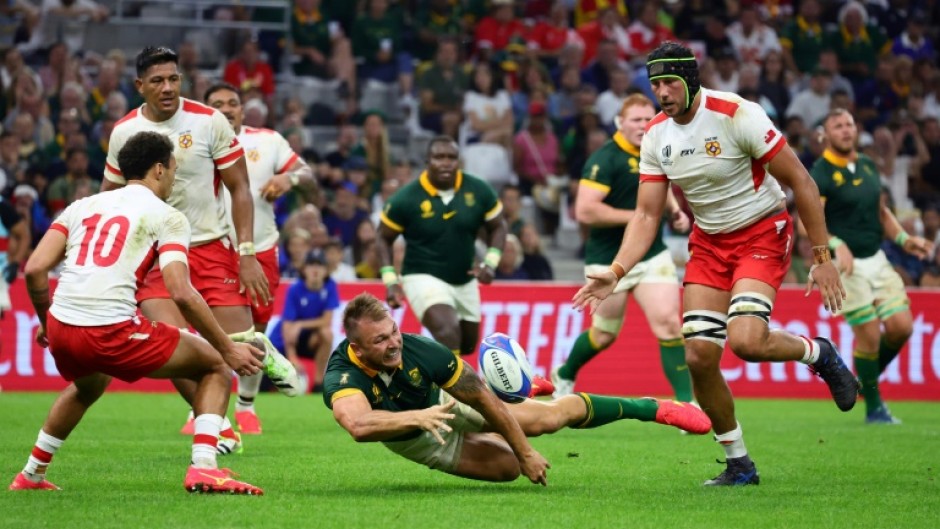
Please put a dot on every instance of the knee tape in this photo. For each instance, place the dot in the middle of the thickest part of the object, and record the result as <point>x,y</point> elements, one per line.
<point>750,304</point>
<point>708,325</point>
<point>609,325</point>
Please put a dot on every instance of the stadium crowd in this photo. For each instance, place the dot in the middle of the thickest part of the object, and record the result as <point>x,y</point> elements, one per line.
<point>530,89</point>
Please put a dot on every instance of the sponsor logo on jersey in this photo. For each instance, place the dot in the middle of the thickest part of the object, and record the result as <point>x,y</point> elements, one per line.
<point>343,380</point>
<point>186,140</point>
<point>687,152</point>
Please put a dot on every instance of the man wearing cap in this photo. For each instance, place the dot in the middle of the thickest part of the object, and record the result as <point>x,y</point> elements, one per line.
<point>726,156</point>
<point>305,329</point>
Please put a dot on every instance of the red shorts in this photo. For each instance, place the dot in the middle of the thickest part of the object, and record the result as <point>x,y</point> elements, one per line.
<point>213,270</point>
<point>269,264</point>
<point>760,251</point>
<point>128,350</point>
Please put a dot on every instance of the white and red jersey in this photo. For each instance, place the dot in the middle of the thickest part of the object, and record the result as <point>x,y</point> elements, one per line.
<point>112,242</point>
<point>204,144</point>
<point>267,153</point>
<point>718,160</point>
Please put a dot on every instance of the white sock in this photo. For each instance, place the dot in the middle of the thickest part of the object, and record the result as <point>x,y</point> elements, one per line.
<point>46,447</point>
<point>733,443</point>
<point>226,424</point>
<point>207,426</point>
<point>810,350</point>
<point>248,388</point>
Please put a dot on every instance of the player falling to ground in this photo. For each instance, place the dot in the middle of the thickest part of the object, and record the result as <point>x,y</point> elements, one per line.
<point>109,242</point>
<point>858,220</point>
<point>209,156</point>
<point>273,169</point>
<point>439,216</point>
<point>606,202</point>
<point>429,406</point>
<point>726,156</point>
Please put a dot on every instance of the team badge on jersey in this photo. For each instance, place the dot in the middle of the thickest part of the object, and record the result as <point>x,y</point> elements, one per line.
<point>415,377</point>
<point>427,210</point>
<point>837,178</point>
<point>712,147</point>
<point>253,155</point>
<point>186,140</point>
<point>468,198</point>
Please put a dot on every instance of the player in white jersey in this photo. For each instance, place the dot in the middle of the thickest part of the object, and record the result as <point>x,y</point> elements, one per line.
<point>209,157</point>
<point>273,169</point>
<point>726,156</point>
<point>108,242</point>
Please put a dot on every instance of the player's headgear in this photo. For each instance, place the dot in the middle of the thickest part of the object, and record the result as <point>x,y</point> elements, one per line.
<point>673,60</point>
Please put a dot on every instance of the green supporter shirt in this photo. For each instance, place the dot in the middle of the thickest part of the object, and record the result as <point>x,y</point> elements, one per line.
<point>368,34</point>
<point>615,170</point>
<point>439,238</point>
<point>440,26</point>
<point>447,90</point>
<point>310,31</point>
<point>805,41</point>
<point>871,44</point>
<point>426,366</point>
<point>852,195</point>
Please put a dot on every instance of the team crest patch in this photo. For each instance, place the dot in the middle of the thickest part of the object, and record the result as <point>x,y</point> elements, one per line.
<point>469,199</point>
<point>377,394</point>
<point>634,166</point>
<point>427,210</point>
<point>837,178</point>
<point>415,377</point>
<point>253,155</point>
<point>186,140</point>
<point>712,148</point>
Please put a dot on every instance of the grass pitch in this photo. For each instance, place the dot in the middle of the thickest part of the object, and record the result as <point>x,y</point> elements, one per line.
<point>124,466</point>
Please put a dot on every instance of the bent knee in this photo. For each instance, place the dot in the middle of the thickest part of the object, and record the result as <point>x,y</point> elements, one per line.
<point>701,355</point>
<point>747,348</point>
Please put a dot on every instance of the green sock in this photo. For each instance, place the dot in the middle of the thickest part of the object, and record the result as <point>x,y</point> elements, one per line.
<point>582,352</point>
<point>603,410</point>
<point>866,364</point>
<point>886,353</point>
<point>672,355</point>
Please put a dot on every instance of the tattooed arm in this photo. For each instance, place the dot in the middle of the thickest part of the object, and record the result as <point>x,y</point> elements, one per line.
<point>470,390</point>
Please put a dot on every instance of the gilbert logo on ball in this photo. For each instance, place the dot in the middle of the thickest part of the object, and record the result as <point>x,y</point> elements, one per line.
<point>505,367</point>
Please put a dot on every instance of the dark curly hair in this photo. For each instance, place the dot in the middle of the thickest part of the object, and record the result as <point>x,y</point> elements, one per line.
<point>153,55</point>
<point>141,152</point>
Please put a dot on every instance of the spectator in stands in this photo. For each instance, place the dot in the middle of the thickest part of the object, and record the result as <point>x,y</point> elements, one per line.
<point>362,250</point>
<point>68,123</point>
<point>389,187</point>
<point>356,172</point>
<point>608,27</point>
<point>27,98</point>
<point>62,191</point>
<point>374,147</point>
<point>535,264</point>
<point>751,38</point>
<point>13,64</point>
<point>812,104</point>
<point>535,150</point>
<point>575,143</point>
<point>597,73</point>
<point>647,32</point>
<point>377,39</point>
<point>106,84</point>
<point>10,161</point>
<point>510,262</point>
<point>441,89</point>
<point>436,21</point>
<point>342,216</point>
<point>25,128</point>
<point>511,198</point>
<point>487,109</point>
<point>338,269</point>
<point>72,97</point>
<point>914,42</point>
<point>562,105</point>
<point>609,101</point>
<point>927,186</point>
<point>550,35</point>
<point>296,248</point>
<point>497,30</point>
<point>534,84</point>
<point>346,140</point>
<point>857,43</point>
<point>802,38</point>
<point>774,84</point>
<point>67,20</point>
<point>874,96</point>
<point>726,75</point>
<point>52,72</point>
<point>322,46</point>
<point>27,204</point>
<point>801,261</point>
<point>248,71</point>
<point>588,10</point>
<point>931,276</point>
<point>17,20</point>
<point>715,36</point>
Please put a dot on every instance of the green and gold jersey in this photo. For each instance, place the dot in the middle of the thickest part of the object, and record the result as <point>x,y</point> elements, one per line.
<point>615,170</point>
<point>426,366</point>
<point>440,235</point>
<point>805,41</point>
<point>852,194</point>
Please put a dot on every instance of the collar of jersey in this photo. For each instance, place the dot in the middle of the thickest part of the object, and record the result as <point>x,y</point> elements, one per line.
<point>625,145</point>
<point>805,26</point>
<point>835,159</point>
<point>429,187</point>
<point>367,370</point>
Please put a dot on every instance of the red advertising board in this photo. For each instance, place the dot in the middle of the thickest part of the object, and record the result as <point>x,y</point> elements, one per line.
<point>540,317</point>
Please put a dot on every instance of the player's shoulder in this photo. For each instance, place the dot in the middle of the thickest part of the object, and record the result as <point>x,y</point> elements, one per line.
<point>258,131</point>
<point>658,119</point>
<point>190,106</point>
<point>474,181</point>
<point>422,346</point>
<point>722,104</point>
<point>127,120</point>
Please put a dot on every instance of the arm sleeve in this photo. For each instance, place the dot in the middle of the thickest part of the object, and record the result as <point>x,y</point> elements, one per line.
<point>595,176</point>
<point>173,239</point>
<point>443,366</point>
<point>339,383</point>
<point>650,168</point>
<point>822,179</point>
<point>756,134</point>
<point>491,203</point>
<point>284,155</point>
<point>112,170</point>
<point>224,147</point>
<point>393,215</point>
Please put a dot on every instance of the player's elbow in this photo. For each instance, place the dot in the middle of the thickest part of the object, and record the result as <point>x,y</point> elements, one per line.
<point>35,271</point>
<point>185,296</point>
<point>583,213</point>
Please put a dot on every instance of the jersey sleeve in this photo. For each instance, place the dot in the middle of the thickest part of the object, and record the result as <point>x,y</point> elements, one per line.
<point>443,367</point>
<point>64,222</point>
<point>822,178</point>
<point>490,201</point>
<point>650,168</point>
<point>173,239</point>
<point>225,147</point>
<point>112,169</point>
<point>394,214</point>
<point>341,380</point>
<point>284,156</point>
<point>756,134</point>
<point>594,175</point>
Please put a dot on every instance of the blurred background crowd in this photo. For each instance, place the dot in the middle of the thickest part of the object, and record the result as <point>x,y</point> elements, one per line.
<point>528,88</point>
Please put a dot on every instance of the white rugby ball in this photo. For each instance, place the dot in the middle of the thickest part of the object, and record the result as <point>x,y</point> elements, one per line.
<point>505,368</point>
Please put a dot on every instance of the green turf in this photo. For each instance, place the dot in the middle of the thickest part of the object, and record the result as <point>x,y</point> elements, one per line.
<point>124,468</point>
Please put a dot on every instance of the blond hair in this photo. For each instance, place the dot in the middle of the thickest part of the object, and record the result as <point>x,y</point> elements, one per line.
<point>635,100</point>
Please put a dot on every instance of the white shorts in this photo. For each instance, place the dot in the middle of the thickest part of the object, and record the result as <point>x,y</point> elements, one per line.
<point>657,269</point>
<point>5,303</point>
<point>424,291</point>
<point>425,449</point>
<point>873,278</point>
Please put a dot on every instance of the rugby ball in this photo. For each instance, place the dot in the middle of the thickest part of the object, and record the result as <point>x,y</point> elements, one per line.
<point>505,368</point>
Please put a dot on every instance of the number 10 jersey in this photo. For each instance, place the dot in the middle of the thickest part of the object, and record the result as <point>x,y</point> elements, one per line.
<point>113,240</point>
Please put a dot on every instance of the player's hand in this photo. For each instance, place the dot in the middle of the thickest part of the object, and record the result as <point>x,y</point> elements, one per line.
<point>433,420</point>
<point>598,287</point>
<point>252,280</point>
<point>245,359</point>
<point>483,273</point>
<point>41,337</point>
<point>845,261</point>
<point>533,466</point>
<point>680,222</point>
<point>276,187</point>
<point>830,285</point>
<point>917,246</point>
<point>394,295</point>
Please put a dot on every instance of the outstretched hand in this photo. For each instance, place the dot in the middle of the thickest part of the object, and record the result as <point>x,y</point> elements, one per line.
<point>434,419</point>
<point>598,287</point>
<point>483,273</point>
<point>394,295</point>
<point>830,285</point>
<point>533,466</point>
<point>919,247</point>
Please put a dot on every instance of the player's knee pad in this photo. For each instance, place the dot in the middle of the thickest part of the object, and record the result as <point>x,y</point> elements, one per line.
<point>892,306</point>
<point>708,325</point>
<point>750,304</point>
<point>608,325</point>
<point>861,315</point>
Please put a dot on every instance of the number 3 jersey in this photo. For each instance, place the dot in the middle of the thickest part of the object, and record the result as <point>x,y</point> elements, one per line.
<point>112,241</point>
<point>718,160</point>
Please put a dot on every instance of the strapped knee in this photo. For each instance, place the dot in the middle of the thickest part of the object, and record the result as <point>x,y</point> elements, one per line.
<point>608,325</point>
<point>708,325</point>
<point>750,304</point>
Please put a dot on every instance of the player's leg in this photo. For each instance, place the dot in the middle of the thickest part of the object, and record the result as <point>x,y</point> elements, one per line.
<point>605,327</point>
<point>66,412</point>
<point>660,304</point>
<point>486,457</point>
<point>434,304</point>
<point>442,322</point>
<point>867,331</point>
